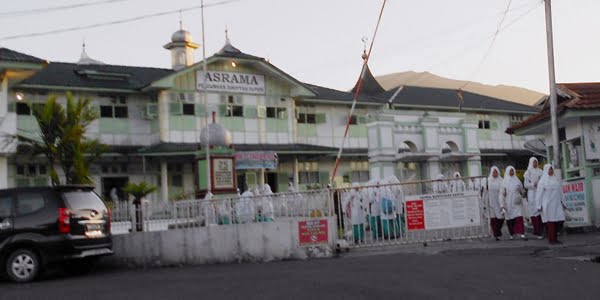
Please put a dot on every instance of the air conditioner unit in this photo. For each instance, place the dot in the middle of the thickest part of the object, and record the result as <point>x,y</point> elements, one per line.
<point>190,98</point>
<point>261,111</point>
<point>151,111</point>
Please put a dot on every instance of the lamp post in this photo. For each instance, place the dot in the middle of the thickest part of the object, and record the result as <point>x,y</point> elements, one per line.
<point>205,96</point>
<point>553,102</point>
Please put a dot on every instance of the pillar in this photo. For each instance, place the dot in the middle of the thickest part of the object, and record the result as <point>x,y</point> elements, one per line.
<point>295,172</point>
<point>433,168</point>
<point>3,96</point>
<point>164,181</point>
<point>3,172</point>
<point>261,177</point>
<point>163,115</point>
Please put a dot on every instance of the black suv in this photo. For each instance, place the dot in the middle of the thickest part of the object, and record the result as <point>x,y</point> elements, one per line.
<point>40,226</point>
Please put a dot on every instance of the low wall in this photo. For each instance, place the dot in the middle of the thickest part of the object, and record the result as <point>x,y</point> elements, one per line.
<point>254,242</point>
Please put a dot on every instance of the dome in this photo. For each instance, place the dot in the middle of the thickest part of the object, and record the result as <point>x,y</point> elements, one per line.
<point>181,36</point>
<point>219,136</point>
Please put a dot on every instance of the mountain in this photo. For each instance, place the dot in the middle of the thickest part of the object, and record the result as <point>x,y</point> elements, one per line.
<point>426,79</point>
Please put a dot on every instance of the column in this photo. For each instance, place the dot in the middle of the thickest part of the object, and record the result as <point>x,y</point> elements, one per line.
<point>261,177</point>
<point>3,172</point>
<point>164,181</point>
<point>434,167</point>
<point>295,171</point>
<point>163,115</point>
<point>3,96</point>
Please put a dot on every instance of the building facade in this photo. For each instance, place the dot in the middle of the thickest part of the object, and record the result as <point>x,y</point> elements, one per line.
<point>151,120</point>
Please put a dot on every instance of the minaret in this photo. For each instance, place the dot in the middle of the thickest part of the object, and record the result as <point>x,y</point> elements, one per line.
<point>182,48</point>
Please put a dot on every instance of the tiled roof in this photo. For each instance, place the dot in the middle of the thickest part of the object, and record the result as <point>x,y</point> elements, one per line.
<point>95,76</point>
<point>575,96</point>
<point>438,97</point>
<point>369,85</point>
<point>324,93</point>
<point>14,56</point>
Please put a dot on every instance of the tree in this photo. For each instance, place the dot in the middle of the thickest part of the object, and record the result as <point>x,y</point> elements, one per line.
<point>63,140</point>
<point>139,191</point>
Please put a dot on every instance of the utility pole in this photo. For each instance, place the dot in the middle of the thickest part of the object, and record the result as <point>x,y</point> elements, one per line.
<point>205,96</point>
<point>552,78</point>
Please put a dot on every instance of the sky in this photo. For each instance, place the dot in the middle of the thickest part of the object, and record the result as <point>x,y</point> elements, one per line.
<point>321,41</point>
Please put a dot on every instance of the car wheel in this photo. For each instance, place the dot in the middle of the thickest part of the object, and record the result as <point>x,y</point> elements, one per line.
<point>22,265</point>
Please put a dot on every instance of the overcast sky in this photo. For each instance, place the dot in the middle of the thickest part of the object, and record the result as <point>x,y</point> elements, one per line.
<point>319,41</point>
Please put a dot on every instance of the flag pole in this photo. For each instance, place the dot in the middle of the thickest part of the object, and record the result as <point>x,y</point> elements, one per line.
<point>553,101</point>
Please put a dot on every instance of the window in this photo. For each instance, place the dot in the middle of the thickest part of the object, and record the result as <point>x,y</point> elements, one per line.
<point>5,207</point>
<point>360,176</point>
<point>515,119</point>
<point>234,111</point>
<point>177,180</point>
<point>484,124</point>
<point>304,118</point>
<point>308,172</point>
<point>29,203</point>
<point>189,109</point>
<point>23,109</point>
<point>110,111</point>
<point>32,170</point>
<point>276,112</point>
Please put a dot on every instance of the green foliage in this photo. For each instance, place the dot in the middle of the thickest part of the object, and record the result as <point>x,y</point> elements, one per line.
<point>139,190</point>
<point>63,140</point>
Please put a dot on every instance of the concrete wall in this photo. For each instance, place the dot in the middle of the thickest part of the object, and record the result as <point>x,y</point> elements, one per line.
<point>217,244</point>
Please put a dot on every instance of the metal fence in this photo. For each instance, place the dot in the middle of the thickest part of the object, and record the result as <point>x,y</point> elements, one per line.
<point>377,215</point>
<point>157,216</point>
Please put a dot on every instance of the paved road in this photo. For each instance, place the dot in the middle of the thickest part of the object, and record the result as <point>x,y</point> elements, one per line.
<point>471,274</point>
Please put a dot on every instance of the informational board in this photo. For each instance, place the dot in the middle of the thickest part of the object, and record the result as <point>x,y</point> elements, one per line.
<point>591,133</point>
<point>231,82</point>
<point>313,232</point>
<point>256,160</point>
<point>223,175</point>
<point>575,199</point>
<point>442,211</point>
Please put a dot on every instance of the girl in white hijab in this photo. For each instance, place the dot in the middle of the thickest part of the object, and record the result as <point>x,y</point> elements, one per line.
<point>532,177</point>
<point>353,209</point>
<point>457,185</point>
<point>492,193</point>
<point>512,203</point>
<point>245,208</point>
<point>266,203</point>
<point>389,210</point>
<point>396,188</point>
<point>374,208</point>
<point>440,186</point>
<point>551,202</point>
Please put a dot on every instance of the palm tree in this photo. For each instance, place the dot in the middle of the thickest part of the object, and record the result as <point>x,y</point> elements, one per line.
<point>63,140</point>
<point>139,191</point>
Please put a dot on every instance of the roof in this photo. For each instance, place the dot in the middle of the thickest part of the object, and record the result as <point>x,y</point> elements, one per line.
<point>438,97</point>
<point>14,56</point>
<point>324,93</point>
<point>370,85</point>
<point>70,75</point>
<point>571,96</point>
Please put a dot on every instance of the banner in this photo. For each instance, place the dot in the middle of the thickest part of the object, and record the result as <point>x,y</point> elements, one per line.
<point>591,139</point>
<point>575,200</point>
<point>223,173</point>
<point>313,232</point>
<point>230,82</point>
<point>441,211</point>
<point>256,160</point>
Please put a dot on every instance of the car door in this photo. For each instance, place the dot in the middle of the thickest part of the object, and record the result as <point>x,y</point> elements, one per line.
<point>6,217</point>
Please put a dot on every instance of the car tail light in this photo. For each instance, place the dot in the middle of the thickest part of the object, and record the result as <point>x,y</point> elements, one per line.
<point>109,219</point>
<point>64,220</point>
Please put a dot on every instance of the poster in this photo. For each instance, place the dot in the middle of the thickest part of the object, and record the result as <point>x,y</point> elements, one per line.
<point>313,232</point>
<point>576,212</point>
<point>441,211</point>
<point>415,216</point>
<point>591,138</point>
<point>223,173</point>
<point>256,160</point>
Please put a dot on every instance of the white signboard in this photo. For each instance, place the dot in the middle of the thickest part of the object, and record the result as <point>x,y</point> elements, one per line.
<point>591,138</point>
<point>441,211</point>
<point>575,200</point>
<point>230,82</point>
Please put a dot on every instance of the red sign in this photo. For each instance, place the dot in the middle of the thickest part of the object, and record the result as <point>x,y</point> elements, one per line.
<point>415,215</point>
<point>313,232</point>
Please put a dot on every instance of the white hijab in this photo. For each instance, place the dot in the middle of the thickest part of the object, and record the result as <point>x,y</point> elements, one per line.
<point>494,181</point>
<point>548,180</point>
<point>511,182</point>
<point>456,175</point>
<point>530,166</point>
<point>267,190</point>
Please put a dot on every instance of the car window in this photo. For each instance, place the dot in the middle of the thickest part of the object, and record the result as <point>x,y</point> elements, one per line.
<point>5,207</point>
<point>83,200</point>
<point>30,202</point>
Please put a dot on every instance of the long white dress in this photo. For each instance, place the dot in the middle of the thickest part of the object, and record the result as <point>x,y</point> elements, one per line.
<point>352,206</point>
<point>510,195</point>
<point>532,177</point>
<point>492,193</point>
<point>550,197</point>
<point>457,185</point>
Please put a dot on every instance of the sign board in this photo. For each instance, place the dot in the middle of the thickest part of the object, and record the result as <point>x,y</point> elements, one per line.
<point>576,212</point>
<point>591,133</point>
<point>231,82</point>
<point>223,176</point>
<point>415,215</point>
<point>313,232</point>
<point>441,211</point>
<point>256,160</point>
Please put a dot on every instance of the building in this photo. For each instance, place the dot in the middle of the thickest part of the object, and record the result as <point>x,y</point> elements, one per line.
<point>152,118</point>
<point>578,114</point>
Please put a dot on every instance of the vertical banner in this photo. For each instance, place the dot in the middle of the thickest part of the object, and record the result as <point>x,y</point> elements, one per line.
<point>575,200</point>
<point>313,232</point>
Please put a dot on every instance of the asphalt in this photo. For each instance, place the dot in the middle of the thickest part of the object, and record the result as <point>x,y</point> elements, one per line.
<point>467,269</point>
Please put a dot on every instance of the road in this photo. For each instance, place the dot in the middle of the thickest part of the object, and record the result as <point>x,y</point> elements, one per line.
<point>469,274</point>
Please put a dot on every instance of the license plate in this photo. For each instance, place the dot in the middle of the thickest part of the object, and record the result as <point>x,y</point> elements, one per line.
<point>93,227</point>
